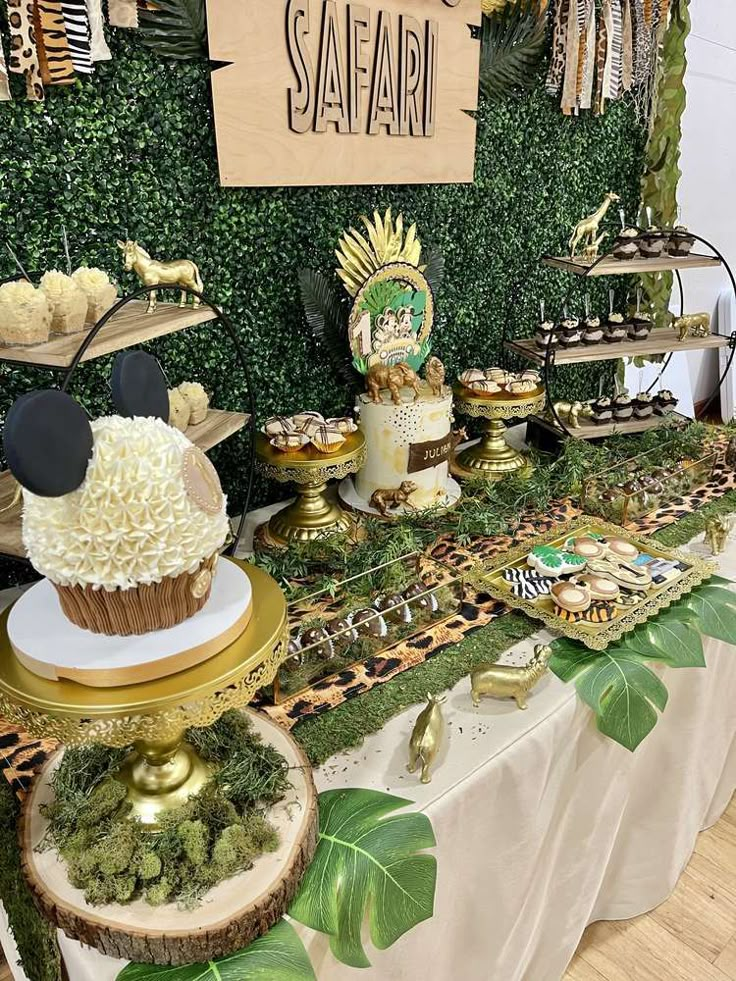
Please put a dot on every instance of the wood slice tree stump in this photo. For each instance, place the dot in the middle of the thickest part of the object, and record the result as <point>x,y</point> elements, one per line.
<point>231,916</point>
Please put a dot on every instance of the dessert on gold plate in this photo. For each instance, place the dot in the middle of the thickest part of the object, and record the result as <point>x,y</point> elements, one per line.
<point>123,515</point>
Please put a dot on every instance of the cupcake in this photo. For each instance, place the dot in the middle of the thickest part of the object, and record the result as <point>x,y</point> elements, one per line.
<point>289,442</point>
<point>100,292</point>
<point>327,440</point>
<point>626,245</point>
<point>623,408</point>
<point>546,335</point>
<point>279,426</point>
<point>615,329</point>
<point>643,405</point>
<point>133,549</point>
<point>601,411</point>
<point>652,243</point>
<point>67,300</point>
<point>25,314</point>
<point>343,424</point>
<point>680,241</point>
<point>664,402</point>
<point>471,377</point>
<point>570,333</point>
<point>592,330</point>
<point>179,411</point>
<point>197,399</point>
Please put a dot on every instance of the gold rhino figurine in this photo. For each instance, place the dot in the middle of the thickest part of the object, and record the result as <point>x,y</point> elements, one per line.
<point>426,737</point>
<point>506,681</point>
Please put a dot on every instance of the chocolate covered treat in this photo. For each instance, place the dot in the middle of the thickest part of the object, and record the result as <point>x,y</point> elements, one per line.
<point>616,329</point>
<point>680,241</point>
<point>623,408</point>
<point>639,327</point>
<point>369,622</point>
<point>602,411</point>
<point>593,330</point>
<point>643,405</point>
<point>664,402</point>
<point>570,333</point>
<point>626,245</point>
<point>652,243</point>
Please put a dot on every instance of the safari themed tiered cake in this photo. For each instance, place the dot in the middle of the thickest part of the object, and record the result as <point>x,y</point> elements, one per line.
<point>406,420</point>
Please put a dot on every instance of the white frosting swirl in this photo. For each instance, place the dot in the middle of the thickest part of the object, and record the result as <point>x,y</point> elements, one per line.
<point>131,522</point>
<point>90,279</point>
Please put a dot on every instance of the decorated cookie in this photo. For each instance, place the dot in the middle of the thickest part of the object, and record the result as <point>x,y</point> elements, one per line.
<point>279,425</point>
<point>600,587</point>
<point>588,548</point>
<point>343,424</point>
<point>470,377</point>
<point>629,577</point>
<point>552,561</point>
<point>308,422</point>
<point>327,440</point>
<point>571,596</point>
<point>289,442</point>
<point>622,549</point>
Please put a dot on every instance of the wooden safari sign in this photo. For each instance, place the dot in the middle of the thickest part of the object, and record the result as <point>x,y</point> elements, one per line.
<point>336,92</point>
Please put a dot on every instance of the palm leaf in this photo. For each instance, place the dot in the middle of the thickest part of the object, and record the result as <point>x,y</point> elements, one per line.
<point>513,41</point>
<point>370,864</point>
<point>175,29</point>
<point>434,268</point>
<point>327,318</point>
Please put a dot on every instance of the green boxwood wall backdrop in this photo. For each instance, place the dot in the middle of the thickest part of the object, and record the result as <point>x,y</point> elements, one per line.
<point>132,151</point>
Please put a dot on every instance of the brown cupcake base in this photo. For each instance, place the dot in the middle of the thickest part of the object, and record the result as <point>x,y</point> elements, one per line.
<point>141,610</point>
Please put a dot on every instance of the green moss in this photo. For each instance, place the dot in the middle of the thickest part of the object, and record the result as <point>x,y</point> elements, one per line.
<point>194,838</point>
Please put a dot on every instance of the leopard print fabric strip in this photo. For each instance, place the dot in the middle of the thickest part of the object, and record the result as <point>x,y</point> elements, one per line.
<point>23,52</point>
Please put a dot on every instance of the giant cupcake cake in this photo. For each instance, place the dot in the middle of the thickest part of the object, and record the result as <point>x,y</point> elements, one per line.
<point>406,420</point>
<point>123,515</point>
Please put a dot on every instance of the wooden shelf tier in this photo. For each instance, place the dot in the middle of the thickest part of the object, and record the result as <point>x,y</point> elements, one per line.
<point>217,427</point>
<point>131,326</point>
<point>589,430</point>
<point>626,267</point>
<point>662,340</point>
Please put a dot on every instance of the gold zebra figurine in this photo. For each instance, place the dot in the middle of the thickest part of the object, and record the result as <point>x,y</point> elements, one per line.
<point>151,272</point>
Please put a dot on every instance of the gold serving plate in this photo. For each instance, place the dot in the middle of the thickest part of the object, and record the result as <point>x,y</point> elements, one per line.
<point>597,636</point>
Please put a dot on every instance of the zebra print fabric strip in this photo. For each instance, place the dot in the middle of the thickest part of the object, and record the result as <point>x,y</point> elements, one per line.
<point>615,51</point>
<point>57,63</point>
<point>76,22</point>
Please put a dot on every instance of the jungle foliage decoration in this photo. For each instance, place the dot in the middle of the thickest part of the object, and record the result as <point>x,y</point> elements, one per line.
<point>513,42</point>
<point>618,683</point>
<point>368,860</point>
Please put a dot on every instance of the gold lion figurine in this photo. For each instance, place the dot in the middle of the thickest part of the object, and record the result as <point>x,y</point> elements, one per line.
<point>434,372</point>
<point>385,500</point>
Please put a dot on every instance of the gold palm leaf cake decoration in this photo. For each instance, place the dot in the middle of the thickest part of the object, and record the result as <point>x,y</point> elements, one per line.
<point>360,258</point>
<point>393,310</point>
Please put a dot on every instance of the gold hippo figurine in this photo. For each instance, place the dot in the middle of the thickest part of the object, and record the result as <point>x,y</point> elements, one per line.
<point>506,681</point>
<point>426,737</point>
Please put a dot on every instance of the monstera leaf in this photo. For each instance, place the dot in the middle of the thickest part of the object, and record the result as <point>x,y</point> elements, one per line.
<point>279,955</point>
<point>175,29</point>
<point>327,319</point>
<point>513,41</point>
<point>367,862</point>
<point>618,683</point>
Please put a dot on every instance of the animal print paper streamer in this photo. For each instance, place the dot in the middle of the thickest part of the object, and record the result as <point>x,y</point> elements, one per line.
<point>4,81</point>
<point>122,13</point>
<point>98,45</point>
<point>76,22</point>
<point>627,48</point>
<point>57,66</point>
<point>556,71</point>
<point>23,52</point>
<point>614,68</point>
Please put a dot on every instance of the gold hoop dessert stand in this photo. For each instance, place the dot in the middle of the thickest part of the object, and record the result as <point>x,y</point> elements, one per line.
<point>311,515</point>
<point>493,458</point>
<point>163,770</point>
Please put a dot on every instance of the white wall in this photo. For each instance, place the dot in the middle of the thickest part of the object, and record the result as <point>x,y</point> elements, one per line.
<point>707,195</point>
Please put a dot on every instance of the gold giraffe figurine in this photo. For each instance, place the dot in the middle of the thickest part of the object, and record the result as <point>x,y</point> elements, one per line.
<point>426,737</point>
<point>717,531</point>
<point>586,231</point>
<point>151,272</point>
<point>507,681</point>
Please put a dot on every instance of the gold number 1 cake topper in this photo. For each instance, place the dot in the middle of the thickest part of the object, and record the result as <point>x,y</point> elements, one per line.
<point>392,316</point>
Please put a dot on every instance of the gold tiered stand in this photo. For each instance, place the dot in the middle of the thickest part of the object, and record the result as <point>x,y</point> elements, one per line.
<point>492,457</point>
<point>163,770</point>
<point>311,515</point>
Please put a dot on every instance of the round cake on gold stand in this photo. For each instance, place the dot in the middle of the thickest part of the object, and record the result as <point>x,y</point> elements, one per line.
<point>492,457</point>
<point>162,772</point>
<point>311,515</point>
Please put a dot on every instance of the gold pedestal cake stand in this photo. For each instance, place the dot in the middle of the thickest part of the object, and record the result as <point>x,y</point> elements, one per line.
<point>493,458</point>
<point>311,515</point>
<point>163,770</point>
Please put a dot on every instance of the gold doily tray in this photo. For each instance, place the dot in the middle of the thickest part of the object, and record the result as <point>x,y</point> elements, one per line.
<point>692,571</point>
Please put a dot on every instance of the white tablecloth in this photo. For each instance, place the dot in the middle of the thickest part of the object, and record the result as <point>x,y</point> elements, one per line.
<point>543,825</point>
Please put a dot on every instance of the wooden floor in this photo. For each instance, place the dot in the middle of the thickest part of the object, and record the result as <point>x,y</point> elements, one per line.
<point>691,937</point>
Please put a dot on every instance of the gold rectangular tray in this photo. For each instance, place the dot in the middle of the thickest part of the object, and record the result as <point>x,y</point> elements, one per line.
<point>597,636</point>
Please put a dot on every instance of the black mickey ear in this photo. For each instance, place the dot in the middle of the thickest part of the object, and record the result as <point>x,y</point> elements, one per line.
<point>48,442</point>
<point>138,386</point>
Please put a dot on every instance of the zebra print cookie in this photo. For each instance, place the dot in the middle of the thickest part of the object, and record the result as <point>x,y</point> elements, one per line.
<point>529,585</point>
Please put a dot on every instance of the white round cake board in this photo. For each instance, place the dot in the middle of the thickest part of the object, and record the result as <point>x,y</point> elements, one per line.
<point>51,646</point>
<point>351,499</point>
